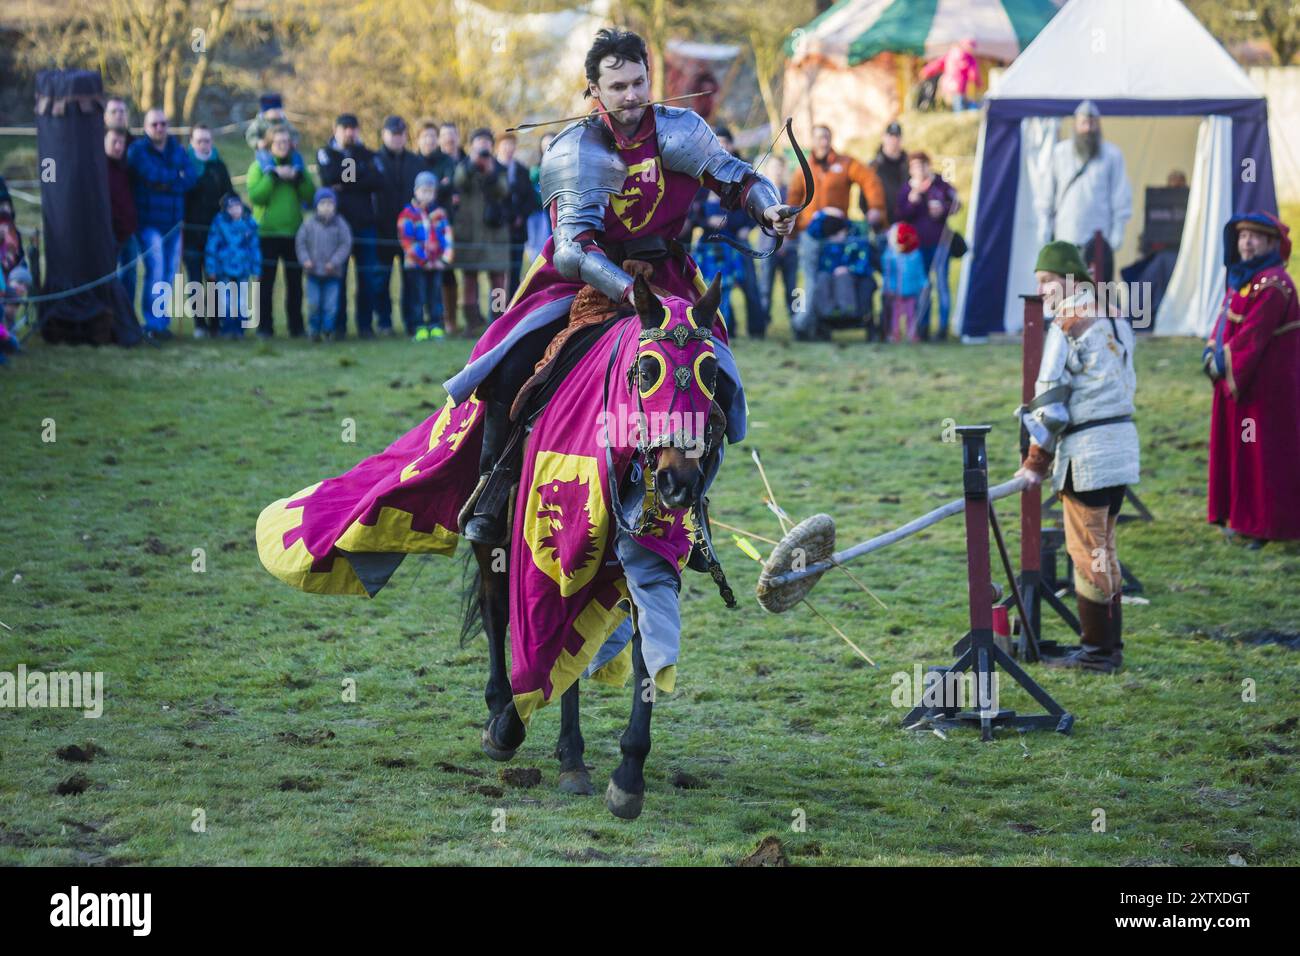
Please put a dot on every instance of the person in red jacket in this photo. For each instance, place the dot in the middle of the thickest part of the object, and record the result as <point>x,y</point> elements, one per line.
<point>122,205</point>
<point>1253,358</point>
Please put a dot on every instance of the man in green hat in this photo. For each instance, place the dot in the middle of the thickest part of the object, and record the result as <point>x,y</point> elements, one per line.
<point>1081,431</point>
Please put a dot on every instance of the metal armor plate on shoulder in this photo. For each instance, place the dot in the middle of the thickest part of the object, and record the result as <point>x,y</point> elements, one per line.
<point>688,145</point>
<point>581,169</point>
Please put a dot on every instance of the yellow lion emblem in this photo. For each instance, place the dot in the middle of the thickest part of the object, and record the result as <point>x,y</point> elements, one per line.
<point>642,190</point>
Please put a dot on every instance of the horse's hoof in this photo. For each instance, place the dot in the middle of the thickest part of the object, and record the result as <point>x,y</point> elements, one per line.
<point>624,805</point>
<point>576,782</point>
<point>493,751</point>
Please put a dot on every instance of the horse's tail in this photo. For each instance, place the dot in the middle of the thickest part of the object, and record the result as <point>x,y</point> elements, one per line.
<point>471,590</point>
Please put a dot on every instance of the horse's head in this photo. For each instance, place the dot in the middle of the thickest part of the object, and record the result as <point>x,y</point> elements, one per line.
<point>674,377</point>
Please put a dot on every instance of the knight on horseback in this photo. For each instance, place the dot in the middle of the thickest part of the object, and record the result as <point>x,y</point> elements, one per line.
<point>618,186</point>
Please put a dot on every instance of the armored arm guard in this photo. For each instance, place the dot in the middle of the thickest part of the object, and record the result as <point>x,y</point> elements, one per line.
<point>688,145</point>
<point>580,171</point>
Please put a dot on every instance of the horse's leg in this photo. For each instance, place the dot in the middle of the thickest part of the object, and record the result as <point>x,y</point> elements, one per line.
<point>626,792</point>
<point>504,731</point>
<point>569,748</point>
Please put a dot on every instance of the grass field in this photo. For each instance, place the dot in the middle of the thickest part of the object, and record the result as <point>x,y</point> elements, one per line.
<point>224,702</point>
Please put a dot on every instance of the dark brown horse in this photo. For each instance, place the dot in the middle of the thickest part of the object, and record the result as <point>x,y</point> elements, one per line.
<point>686,359</point>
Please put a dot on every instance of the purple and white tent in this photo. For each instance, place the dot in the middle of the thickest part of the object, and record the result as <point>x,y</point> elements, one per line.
<point>1171,97</point>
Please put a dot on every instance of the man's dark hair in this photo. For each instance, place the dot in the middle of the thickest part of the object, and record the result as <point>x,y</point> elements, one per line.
<point>482,133</point>
<point>623,45</point>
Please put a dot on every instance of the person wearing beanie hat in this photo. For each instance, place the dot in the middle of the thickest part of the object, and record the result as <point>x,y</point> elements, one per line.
<point>270,117</point>
<point>1063,259</point>
<point>902,279</point>
<point>1253,360</point>
<point>424,230</point>
<point>347,166</point>
<point>1081,431</point>
<point>233,255</point>
<point>270,112</point>
<point>323,244</point>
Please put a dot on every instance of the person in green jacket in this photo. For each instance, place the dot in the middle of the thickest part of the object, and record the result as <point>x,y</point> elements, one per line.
<point>277,198</point>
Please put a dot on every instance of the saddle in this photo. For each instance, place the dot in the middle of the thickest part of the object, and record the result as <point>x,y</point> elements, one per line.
<point>590,315</point>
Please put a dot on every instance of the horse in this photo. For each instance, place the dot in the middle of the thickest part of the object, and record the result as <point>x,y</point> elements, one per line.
<point>673,370</point>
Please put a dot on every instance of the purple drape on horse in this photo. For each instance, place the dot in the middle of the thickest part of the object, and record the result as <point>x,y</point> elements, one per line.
<point>346,535</point>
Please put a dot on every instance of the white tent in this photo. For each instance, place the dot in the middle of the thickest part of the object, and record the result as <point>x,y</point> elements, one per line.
<point>1171,98</point>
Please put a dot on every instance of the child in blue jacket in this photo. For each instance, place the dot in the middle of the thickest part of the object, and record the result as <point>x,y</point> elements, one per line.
<point>234,254</point>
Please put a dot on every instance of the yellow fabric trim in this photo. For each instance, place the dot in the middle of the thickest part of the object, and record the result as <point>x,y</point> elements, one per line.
<point>528,277</point>
<point>392,532</point>
<point>595,623</point>
<point>663,373</point>
<point>526,704</point>
<point>666,679</point>
<point>708,353</point>
<point>617,669</point>
<point>293,566</point>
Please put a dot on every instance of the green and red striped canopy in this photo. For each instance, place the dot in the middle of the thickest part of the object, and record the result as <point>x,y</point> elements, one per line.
<point>854,31</point>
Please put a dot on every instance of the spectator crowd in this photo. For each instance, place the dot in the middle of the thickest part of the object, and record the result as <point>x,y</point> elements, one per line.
<point>447,218</point>
<point>457,223</point>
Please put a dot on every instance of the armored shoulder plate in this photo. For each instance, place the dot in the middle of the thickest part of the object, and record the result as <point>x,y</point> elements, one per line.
<point>582,164</point>
<point>687,145</point>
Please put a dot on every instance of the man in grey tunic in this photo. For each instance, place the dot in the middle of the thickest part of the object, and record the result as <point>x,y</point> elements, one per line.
<point>1081,428</point>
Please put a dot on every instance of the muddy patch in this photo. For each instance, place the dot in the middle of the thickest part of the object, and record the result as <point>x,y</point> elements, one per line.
<point>769,852</point>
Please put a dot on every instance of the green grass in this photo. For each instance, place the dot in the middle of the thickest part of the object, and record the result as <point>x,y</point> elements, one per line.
<point>162,452</point>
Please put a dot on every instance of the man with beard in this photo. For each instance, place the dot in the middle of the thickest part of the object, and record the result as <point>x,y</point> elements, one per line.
<point>1086,198</point>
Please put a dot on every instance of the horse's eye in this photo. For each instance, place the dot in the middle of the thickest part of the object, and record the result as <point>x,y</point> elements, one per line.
<point>706,374</point>
<point>650,373</point>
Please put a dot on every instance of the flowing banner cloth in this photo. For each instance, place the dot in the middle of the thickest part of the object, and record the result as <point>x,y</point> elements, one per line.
<point>566,582</point>
<point>568,593</point>
<point>347,535</point>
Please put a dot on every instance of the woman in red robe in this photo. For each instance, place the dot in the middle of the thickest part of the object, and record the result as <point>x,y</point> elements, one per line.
<point>1253,358</point>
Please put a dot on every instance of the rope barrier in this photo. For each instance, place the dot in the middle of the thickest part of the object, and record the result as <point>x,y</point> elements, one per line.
<point>94,283</point>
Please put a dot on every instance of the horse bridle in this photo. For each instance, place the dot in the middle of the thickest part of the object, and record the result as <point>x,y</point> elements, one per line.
<point>699,533</point>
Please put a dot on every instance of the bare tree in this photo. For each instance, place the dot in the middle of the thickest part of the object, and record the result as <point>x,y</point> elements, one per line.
<point>1276,22</point>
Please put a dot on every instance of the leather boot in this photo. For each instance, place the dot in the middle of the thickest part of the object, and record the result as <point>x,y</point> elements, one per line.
<point>487,522</point>
<point>1097,651</point>
<point>1117,629</point>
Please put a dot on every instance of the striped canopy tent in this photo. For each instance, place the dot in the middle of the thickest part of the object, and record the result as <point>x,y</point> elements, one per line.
<point>855,31</point>
<point>852,66</point>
